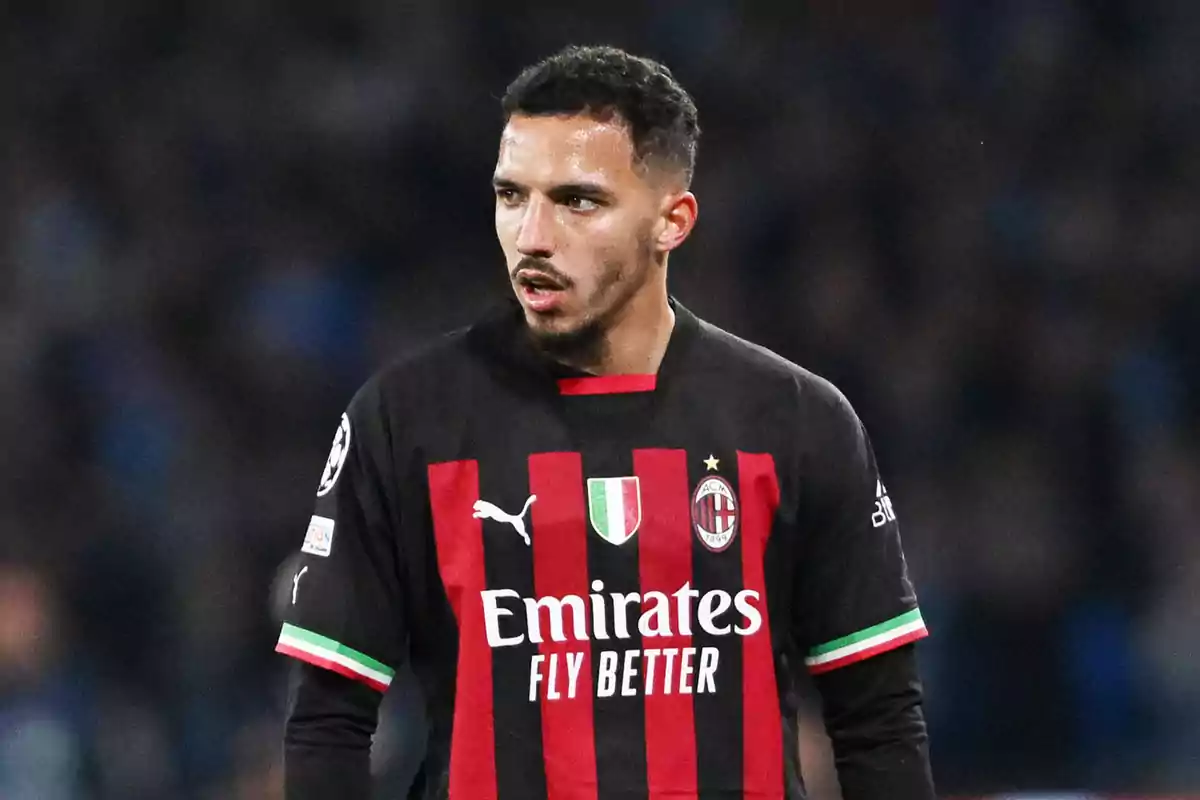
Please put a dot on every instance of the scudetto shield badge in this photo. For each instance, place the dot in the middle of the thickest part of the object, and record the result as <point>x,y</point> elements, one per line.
<point>715,513</point>
<point>614,507</point>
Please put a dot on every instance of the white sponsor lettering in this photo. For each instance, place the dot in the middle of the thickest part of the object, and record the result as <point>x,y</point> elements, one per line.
<point>708,670</point>
<point>535,675</point>
<point>606,676</point>
<point>683,598</point>
<point>708,613</point>
<point>554,606</point>
<point>627,688</point>
<point>599,617</point>
<point>574,664</point>
<point>558,675</point>
<point>491,617</point>
<point>651,655</point>
<point>660,615</point>
<point>669,657</point>
<point>741,601</point>
<point>685,670</point>
<point>555,676</point>
<point>656,621</point>
<point>620,603</point>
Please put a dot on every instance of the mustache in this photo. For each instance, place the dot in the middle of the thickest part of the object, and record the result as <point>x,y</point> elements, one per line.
<point>542,266</point>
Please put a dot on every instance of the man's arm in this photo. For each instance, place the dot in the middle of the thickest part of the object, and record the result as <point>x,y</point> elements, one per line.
<point>343,618</point>
<point>856,611</point>
<point>327,738</point>
<point>873,717</point>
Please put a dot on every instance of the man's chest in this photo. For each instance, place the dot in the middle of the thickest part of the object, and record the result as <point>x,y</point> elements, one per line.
<point>676,503</point>
<point>619,520</point>
<point>645,547</point>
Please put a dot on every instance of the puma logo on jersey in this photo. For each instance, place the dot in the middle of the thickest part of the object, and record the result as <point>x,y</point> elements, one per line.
<point>486,510</point>
<point>296,583</point>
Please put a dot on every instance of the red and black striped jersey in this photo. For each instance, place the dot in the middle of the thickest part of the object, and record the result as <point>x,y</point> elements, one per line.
<point>605,586</point>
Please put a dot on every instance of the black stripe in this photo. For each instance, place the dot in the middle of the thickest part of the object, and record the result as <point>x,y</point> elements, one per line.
<point>508,564</point>
<point>620,756</point>
<point>719,714</point>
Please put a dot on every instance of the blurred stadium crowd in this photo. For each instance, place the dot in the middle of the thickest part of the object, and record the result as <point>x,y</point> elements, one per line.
<point>979,218</point>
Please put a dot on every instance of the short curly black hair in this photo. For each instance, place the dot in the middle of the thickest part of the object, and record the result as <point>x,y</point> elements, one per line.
<point>605,82</point>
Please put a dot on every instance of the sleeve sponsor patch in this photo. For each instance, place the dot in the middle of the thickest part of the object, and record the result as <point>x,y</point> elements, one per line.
<point>319,539</point>
<point>337,457</point>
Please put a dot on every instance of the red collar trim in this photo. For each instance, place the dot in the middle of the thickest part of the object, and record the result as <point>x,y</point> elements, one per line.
<point>607,384</point>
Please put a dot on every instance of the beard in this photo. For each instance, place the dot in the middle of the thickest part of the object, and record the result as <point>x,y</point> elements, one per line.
<point>585,343</point>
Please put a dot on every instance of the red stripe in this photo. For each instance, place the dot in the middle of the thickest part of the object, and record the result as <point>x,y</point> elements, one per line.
<point>762,733</point>
<point>629,501</point>
<point>453,490</point>
<point>560,567</point>
<point>665,559</point>
<point>882,647</point>
<point>318,661</point>
<point>607,384</point>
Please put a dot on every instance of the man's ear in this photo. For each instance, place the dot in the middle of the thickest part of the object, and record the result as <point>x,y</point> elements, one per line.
<point>678,218</point>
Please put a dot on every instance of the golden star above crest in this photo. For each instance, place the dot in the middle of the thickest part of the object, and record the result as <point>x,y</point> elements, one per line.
<point>712,461</point>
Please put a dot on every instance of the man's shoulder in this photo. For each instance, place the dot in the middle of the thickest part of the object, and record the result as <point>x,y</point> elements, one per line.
<point>783,394</point>
<point>438,355</point>
<point>765,367</point>
<point>440,366</point>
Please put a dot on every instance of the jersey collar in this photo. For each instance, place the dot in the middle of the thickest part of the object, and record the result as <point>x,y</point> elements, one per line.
<point>504,335</point>
<point>575,383</point>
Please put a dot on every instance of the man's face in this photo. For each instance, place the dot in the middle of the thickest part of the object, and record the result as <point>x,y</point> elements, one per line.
<point>576,221</point>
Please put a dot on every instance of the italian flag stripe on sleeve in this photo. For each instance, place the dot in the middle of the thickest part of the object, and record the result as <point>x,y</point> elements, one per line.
<point>907,627</point>
<point>321,651</point>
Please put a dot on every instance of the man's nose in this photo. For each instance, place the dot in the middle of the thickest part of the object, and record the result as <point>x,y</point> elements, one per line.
<point>536,237</point>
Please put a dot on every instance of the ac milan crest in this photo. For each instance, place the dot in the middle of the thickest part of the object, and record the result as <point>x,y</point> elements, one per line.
<point>715,513</point>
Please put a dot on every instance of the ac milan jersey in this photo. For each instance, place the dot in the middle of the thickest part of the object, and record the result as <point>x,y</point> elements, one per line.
<point>604,585</point>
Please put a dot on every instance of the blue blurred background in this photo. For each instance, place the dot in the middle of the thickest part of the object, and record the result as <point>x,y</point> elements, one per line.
<point>980,218</point>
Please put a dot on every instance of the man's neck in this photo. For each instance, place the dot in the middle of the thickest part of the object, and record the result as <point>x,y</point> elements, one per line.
<point>637,340</point>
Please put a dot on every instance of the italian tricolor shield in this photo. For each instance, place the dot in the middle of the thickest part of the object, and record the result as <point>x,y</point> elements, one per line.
<point>615,508</point>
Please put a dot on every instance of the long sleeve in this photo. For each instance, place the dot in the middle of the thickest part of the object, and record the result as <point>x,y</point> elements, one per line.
<point>345,622</point>
<point>857,615</point>
<point>874,719</point>
<point>327,737</point>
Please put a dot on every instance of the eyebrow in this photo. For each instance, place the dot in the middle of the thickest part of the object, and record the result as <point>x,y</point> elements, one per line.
<point>559,190</point>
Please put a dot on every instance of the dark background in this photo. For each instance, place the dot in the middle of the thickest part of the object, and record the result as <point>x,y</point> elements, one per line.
<point>978,217</point>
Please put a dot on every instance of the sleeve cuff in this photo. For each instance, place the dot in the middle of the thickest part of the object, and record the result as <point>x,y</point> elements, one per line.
<point>888,635</point>
<point>321,651</point>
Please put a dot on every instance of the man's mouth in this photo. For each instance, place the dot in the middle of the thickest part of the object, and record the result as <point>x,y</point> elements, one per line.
<point>541,293</point>
<point>539,281</point>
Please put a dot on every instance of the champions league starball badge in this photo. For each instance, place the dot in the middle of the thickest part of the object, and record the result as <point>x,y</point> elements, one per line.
<point>337,457</point>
